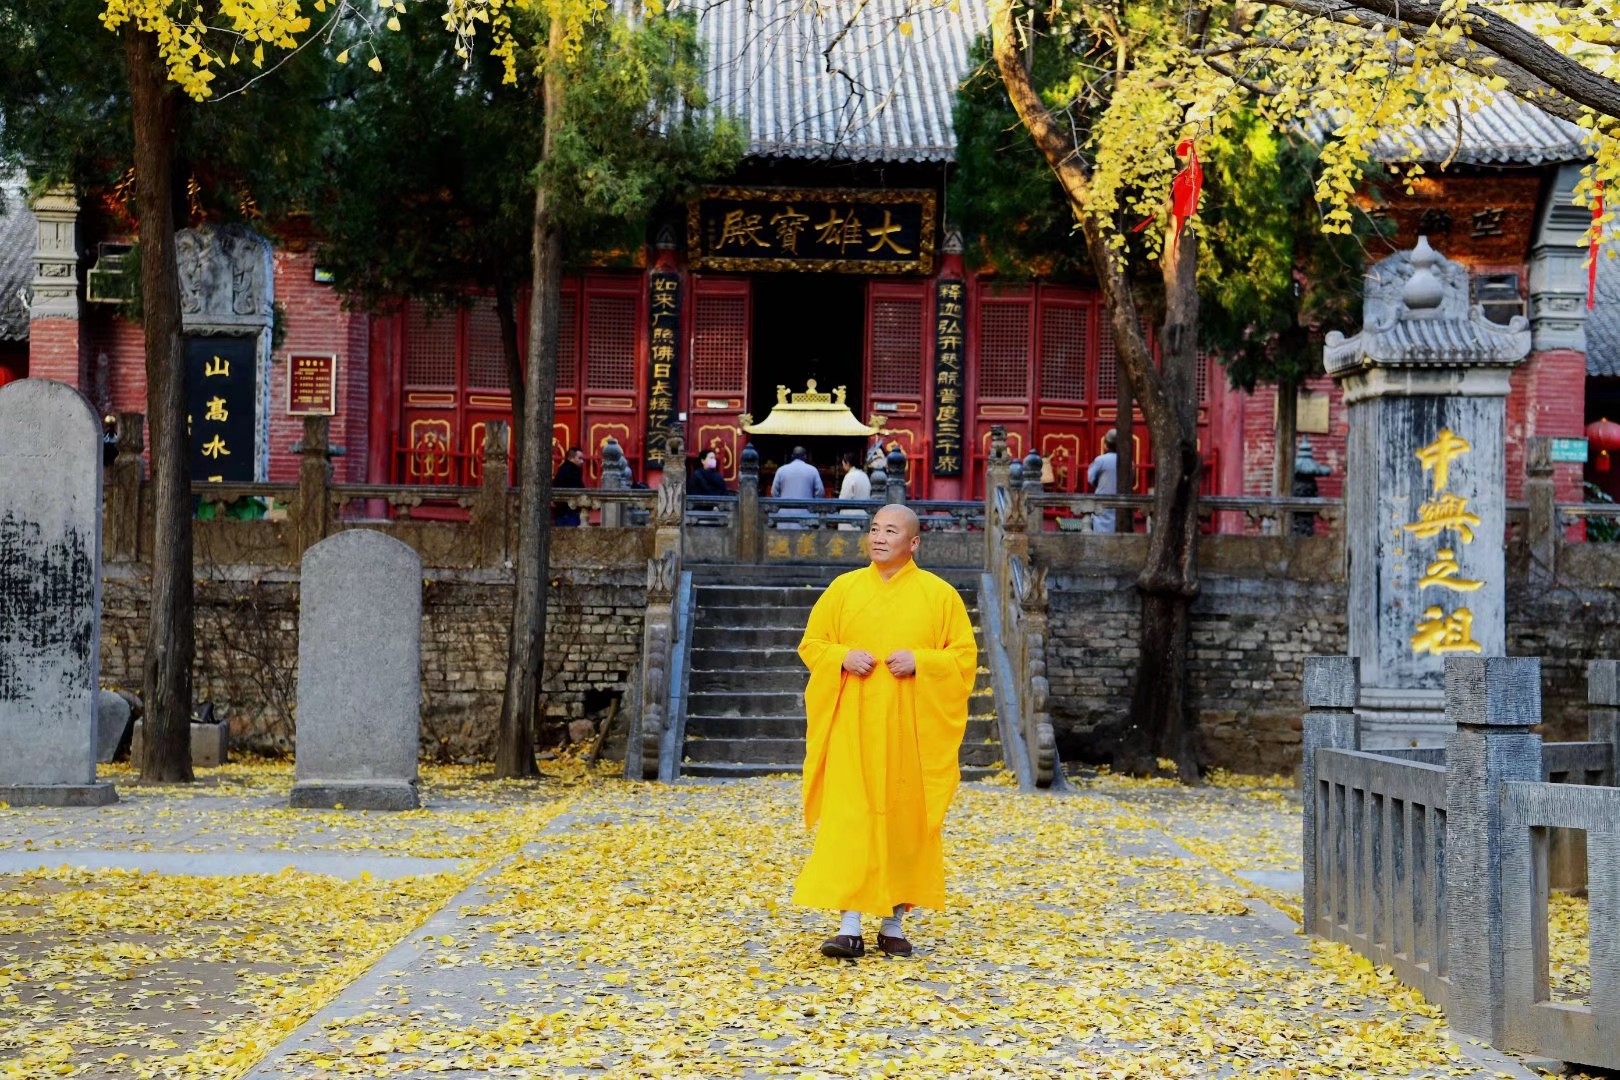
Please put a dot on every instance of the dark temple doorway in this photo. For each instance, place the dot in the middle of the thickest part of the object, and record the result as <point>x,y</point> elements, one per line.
<point>806,326</point>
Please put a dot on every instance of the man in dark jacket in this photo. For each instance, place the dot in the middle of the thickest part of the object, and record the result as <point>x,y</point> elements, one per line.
<point>570,474</point>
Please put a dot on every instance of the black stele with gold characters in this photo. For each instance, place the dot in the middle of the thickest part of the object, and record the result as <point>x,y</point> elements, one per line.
<point>848,231</point>
<point>221,391</point>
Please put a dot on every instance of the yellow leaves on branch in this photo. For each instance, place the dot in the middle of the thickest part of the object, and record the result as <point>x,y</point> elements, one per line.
<point>183,32</point>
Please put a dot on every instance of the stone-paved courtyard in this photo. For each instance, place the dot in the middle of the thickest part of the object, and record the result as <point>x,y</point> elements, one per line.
<point>587,927</point>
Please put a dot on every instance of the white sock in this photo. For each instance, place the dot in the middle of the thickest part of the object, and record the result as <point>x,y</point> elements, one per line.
<point>851,926</point>
<point>890,927</point>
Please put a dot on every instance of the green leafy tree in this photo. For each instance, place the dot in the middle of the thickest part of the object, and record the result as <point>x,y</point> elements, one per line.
<point>429,186</point>
<point>623,128</point>
<point>1271,282</point>
<point>83,107</point>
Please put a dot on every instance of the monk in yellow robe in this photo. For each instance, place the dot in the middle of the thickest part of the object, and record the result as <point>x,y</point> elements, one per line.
<point>892,662</point>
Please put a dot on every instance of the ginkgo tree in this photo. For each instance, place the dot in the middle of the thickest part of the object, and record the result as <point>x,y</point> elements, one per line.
<point>1143,79</point>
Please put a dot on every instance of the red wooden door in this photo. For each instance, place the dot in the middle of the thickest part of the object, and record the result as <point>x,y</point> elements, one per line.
<point>614,322</point>
<point>898,355</point>
<point>721,327</point>
<point>1001,371</point>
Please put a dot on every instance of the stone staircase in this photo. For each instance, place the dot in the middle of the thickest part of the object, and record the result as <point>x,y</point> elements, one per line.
<point>745,697</point>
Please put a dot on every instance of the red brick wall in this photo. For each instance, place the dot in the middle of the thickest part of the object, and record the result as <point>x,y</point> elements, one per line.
<point>317,323</point>
<point>1557,389</point>
<point>1259,447</point>
<point>53,351</point>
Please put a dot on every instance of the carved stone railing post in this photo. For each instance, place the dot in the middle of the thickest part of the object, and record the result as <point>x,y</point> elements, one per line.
<point>895,463</point>
<point>657,641</point>
<point>1332,685</point>
<point>1603,711</point>
<point>995,478</point>
<point>121,495</point>
<point>660,627</point>
<point>1541,535</point>
<point>489,508</point>
<point>880,480</point>
<point>312,508</point>
<point>1037,718</point>
<point>748,523</point>
<point>1030,478</point>
<point>613,479</point>
<point>1494,701</point>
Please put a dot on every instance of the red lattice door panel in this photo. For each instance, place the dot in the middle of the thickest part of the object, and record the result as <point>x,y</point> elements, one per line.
<point>1001,328</point>
<point>897,357</point>
<point>721,327</point>
<point>1065,366</point>
<point>612,357</point>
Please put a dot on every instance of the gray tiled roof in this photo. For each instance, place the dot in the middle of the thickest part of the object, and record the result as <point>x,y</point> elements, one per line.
<point>888,95</point>
<point>17,240</point>
<point>1603,321</point>
<point>1502,131</point>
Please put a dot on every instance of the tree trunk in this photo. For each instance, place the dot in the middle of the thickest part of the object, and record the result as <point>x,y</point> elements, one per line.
<point>514,754</point>
<point>1160,722</point>
<point>1287,434</point>
<point>170,638</point>
<point>512,351</point>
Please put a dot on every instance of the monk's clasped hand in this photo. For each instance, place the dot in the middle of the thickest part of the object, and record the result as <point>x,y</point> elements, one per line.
<point>901,663</point>
<point>859,662</point>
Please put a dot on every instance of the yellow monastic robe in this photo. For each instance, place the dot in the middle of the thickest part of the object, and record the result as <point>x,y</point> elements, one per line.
<point>880,761</point>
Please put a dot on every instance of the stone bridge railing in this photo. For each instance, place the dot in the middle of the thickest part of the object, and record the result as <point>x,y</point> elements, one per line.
<point>1438,863</point>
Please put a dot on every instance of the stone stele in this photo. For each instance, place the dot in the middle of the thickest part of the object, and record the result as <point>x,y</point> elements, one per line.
<point>1425,385</point>
<point>50,596</point>
<point>359,674</point>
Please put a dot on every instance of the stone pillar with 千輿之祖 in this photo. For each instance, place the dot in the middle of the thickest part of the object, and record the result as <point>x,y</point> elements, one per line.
<point>1425,384</point>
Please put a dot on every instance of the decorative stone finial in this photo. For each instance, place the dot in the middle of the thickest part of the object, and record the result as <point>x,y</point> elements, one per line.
<point>1423,291</point>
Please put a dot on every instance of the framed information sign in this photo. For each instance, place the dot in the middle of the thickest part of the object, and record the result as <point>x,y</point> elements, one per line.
<point>312,384</point>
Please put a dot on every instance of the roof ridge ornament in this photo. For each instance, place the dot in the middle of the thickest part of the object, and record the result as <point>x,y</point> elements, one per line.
<point>1423,291</point>
<point>1416,313</point>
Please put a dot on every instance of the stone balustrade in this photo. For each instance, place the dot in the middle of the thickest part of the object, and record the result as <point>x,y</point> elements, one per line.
<point>1437,863</point>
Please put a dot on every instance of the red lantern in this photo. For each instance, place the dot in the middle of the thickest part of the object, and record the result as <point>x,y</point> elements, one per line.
<point>1603,436</point>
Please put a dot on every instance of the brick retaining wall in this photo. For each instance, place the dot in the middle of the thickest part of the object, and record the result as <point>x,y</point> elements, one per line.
<point>247,649</point>
<point>1250,638</point>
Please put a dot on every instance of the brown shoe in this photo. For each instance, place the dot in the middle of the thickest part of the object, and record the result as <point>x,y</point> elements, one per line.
<point>845,947</point>
<point>893,946</point>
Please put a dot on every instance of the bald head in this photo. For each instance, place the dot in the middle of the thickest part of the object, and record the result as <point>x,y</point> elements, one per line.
<point>893,538</point>
<point>902,516</point>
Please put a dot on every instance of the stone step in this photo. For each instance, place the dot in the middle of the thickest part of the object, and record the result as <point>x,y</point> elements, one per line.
<point>716,658</point>
<point>781,751</point>
<point>730,638</point>
<point>781,680</point>
<point>743,751</point>
<point>735,770</point>
<point>982,729</point>
<point>723,678</point>
<point>796,597</point>
<point>751,703</point>
<point>729,770</point>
